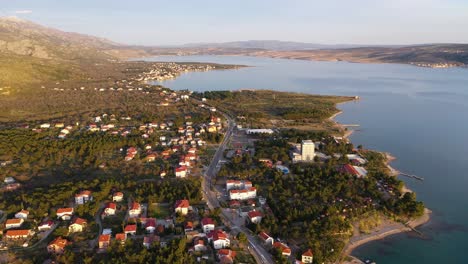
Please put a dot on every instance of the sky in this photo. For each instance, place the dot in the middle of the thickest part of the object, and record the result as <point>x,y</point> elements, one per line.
<point>172,22</point>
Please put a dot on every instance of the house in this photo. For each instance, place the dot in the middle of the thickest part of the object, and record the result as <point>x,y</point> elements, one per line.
<point>150,225</point>
<point>134,210</point>
<point>109,209</point>
<point>234,204</point>
<point>188,226</point>
<point>23,214</point>
<point>77,225</point>
<point>83,197</point>
<point>181,172</point>
<point>219,238</point>
<point>255,217</point>
<point>57,246</point>
<point>45,125</point>
<point>207,225</point>
<point>121,237</point>
<point>151,158</point>
<point>267,240</point>
<point>307,257</point>
<point>18,234</point>
<point>182,207</point>
<point>65,213</point>
<point>353,170</point>
<point>283,248</point>
<point>45,225</point>
<point>130,230</point>
<point>226,255</point>
<point>104,241</point>
<point>14,223</point>
<point>117,197</point>
<point>148,241</point>
<point>199,245</point>
<point>244,194</point>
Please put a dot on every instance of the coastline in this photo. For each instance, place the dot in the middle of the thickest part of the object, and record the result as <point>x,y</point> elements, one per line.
<point>388,227</point>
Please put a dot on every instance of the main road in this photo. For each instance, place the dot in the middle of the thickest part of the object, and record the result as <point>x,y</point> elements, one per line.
<point>260,254</point>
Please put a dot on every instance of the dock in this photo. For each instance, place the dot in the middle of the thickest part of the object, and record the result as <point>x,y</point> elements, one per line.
<point>411,176</point>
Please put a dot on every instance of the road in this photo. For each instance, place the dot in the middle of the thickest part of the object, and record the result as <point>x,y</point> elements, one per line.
<point>260,254</point>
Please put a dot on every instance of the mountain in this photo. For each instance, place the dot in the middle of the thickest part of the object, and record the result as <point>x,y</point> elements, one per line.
<point>30,52</point>
<point>269,45</point>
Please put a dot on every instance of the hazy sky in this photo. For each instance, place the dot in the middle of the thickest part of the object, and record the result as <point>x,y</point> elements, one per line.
<point>154,22</point>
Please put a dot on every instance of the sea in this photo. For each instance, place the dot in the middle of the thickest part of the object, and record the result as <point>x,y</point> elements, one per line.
<point>419,115</point>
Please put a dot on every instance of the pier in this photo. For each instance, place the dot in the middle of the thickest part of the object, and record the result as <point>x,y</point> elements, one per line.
<point>411,176</point>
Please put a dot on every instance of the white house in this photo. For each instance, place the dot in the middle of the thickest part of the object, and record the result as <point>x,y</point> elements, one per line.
<point>219,239</point>
<point>134,210</point>
<point>255,217</point>
<point>117,197</point>
<point>23,214</point>
<point>109,209</point>
<point>245,194</point>
<point>83,197</point>
<point>268,240</point>
<point>65,213</point>
<point>182,207</point>
<point>77,225</point>
<point>208,225</point>
<point>181,172</point>
<point>14,223</point>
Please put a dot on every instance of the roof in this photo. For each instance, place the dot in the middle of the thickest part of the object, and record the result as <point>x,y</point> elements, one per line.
<point>150,222</point>
<point>118,194</point>
<point>253,214</point>
<point>59,242</point>
<point>121,236</point>
<point>104,238</point>
<point>181,168</point>
<point>83,193</point>
<point>22,232</point>
<point>308,253</point>
<point>264,235</point>
<point>182,204</point>
<point>130,228</point>
<point>14,221</point>
<point>111,206</point>
<point>189,224</point>
<point>135,206</point>
<point>217,235</point>
<point>66,210</point>
<point>79,221</point>
<point>24,212</point>
<point>282,247</point>
<point>207,221</point>
<point>47,222</point>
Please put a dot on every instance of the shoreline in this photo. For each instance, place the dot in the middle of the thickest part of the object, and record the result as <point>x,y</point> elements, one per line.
<point>389,227</point>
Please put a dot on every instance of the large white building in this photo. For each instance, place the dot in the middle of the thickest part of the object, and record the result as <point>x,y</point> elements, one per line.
<point>305,152</point>
<point>244,194</point>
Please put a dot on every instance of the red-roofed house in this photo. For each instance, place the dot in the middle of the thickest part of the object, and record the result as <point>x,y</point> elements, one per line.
<point>77,225</point>
<point>18,234</point>
<point>134,210</point>
<point>130,230</point>
<point>188,226</point>
<point>219,238</point>
<point>121,237</point>
<point>110,209</point>
<point>268,240</point>
<point>65,213</point>
<point>307,257</point>
<point>255,217</point>
<point>181,172</point>
<point>104,241</point>
<point>117,197</point>
<point>83,197</point>
<point>226,255</point>
<point>199,244</point>
<point>150,225</point>
<point>57,246</point>
<point>45,225</point>
<point>23,214</point>
<point>283,248</point>
<point>207,225</point>
<point>182,207</point>
<point>14,223</point>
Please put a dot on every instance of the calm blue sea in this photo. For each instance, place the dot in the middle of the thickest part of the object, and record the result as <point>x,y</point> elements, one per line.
<point>420,115</point>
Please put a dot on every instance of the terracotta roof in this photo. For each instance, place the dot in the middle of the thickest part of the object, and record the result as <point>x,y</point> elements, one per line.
<point>67,210</point>
<point>24,212</point>
<point>14,233</point>
<point>59,242</point>
<point>150,222</point>
<point>83,193</point>
<point>182,204</point>
<point>111,206</point>
<point>217,235</point>
<point>284,249</point>
<point>79,221</point>
<point>207,221</point>
<point>118,194</point>
<point>264,236</point>
<point>121,236</point>
<point>181,168</point>
<point>14,221</point>
<point>135,206</point>
<point>253,214</point>
<point>188,225</point>
<point>308,253</point>
<point>104,238</point>
<point>130,228</point>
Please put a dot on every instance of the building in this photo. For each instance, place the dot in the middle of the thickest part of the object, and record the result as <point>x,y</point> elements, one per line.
<point>65,213</point>
<point>117,197</point>
<point>255,217</point>
<point>109,209</point>
<point>199,244</point>
<point>23,214</point>
<point>307,257</point>
<point>181,172</point>
<point>83,197</point>
<point>57,246</point>
<point>45,225</point>
<point>130,230</point>
<point>150,225</point>
<point>148,241</point>
<point>134,210</point>
<point>267,239</point>
<point>77,225</point>
<point>208,225</point>
<point>121,237</point>
<point>353,170</point>
<point>18,234</point>
<point>305,152</point>
<point>182,207</point>
<point>259,131</point>
<point>104,241</point>
<point>219,238</point>
<point>245,194</point>
<point>14,223</point>
<point>283,248</point>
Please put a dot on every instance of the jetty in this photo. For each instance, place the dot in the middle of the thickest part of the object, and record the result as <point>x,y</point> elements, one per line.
<point>411,176</point>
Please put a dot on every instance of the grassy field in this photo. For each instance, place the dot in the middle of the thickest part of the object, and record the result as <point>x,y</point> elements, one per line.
<point>158,211</point>
<point>272,109</point>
